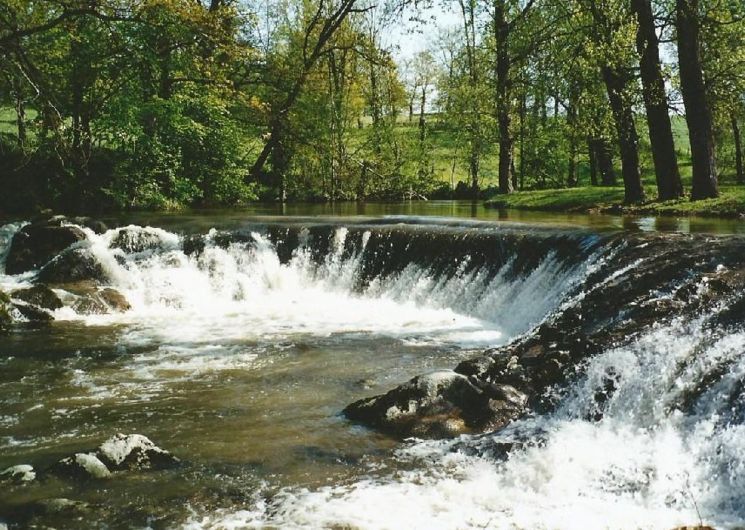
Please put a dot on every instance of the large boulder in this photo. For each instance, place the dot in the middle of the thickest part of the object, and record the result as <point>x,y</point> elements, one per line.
<point>134,452</point>
<point>36,244</point>
<point>73,265</point>
<point>439,405</point>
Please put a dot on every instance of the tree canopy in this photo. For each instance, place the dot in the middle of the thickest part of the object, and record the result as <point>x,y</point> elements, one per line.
<point>169,103</point>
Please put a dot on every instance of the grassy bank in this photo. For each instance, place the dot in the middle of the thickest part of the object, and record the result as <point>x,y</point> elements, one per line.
<point>730,203</point>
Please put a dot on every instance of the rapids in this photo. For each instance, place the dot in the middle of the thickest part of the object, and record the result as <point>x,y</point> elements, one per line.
<point>242,346</point>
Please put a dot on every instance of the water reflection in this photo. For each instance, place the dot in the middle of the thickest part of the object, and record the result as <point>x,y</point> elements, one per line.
<point>199,220</point>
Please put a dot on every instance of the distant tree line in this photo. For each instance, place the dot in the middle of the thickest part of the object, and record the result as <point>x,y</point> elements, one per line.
<point>167,103</point>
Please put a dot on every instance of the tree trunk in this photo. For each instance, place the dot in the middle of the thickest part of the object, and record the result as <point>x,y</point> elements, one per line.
<point>523,113</point>
<point>501,32</point>
<point>738,151</point>
<point>592,160</point>
<point>604,160</point>
<point>698,112</point>
<point>20,107</point>
<point>571,122</point>
<point>665,160</point>
<point>422,119</point>
<point>628,141</point>
<point>280,164</point>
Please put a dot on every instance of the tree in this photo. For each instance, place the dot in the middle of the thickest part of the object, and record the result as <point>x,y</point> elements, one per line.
<point>665,160</point>
<point>698,112</point>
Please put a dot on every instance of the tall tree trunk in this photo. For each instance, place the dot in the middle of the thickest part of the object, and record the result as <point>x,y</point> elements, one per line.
<point>523,113</point>
<point>20,107</point>
<point>698,112</point>
<point>628,141</point>
<point>571,122</point>
<point>280,164</point>
<point>738,151</point>
<point>501,32</point>
<point>665,160</point>
<point>604,159</point>
<point>468,8</point>
<point>422,119</point>
<point>593,162</point>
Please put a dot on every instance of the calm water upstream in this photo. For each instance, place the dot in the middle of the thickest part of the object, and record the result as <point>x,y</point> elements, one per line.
<point>238,359</point>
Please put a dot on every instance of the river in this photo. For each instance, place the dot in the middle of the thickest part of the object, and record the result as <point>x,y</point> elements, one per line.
<point>239,359</point>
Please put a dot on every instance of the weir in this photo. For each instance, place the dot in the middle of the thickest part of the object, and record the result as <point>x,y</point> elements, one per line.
<point>597,375</point>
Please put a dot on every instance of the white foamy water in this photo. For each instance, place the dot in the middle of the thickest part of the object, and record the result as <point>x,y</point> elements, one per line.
<point>646,464</point>
<point>244,292</point>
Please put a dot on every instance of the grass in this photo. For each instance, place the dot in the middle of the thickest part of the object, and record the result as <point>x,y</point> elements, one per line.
<point>730,203</point>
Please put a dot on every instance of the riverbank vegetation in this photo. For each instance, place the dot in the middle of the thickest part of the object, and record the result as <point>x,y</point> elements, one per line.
<point>164,103</point>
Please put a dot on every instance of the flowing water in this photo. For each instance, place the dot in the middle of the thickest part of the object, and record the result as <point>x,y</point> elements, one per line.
<point>239,358</point>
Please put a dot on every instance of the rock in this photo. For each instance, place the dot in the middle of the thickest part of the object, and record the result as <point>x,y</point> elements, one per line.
<point>33,313</point>
<point>36,244</point>
<point>115,300</point>
<point>193,245</point>
<point>100,302</point>
<point>437,405</point>
<point>5,307</point>
<point>20,474</point>
<point>81,466</point>
<point>132,240</point>
<point>134,452</point>
<point>73,265</point>
<point>99,227</point>
<point>40,296</point>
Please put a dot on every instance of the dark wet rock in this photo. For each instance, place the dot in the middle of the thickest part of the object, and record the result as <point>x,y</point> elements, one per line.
<point>81,466</point>
<point>73,265</point>
<point>193,245</point>
<point>20,474</point>
<point>644,281</point>
<point>134,452</point>
<point>39,295</point>
<point>36,244</point>
<point>97,226</point>
<point>438,405</point>
<point>133,240</point>
<point>33,313</point>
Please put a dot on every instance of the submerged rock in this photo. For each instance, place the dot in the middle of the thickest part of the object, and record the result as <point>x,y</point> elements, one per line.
<point>81,466</point>
<point>73,265</point>
<point>20,474</point>
<point>134,452</point>
<point>36,244</point>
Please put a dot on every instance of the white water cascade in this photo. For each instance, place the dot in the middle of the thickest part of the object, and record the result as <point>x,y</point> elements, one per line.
<point>646,464</point>
<point>243,290</point>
